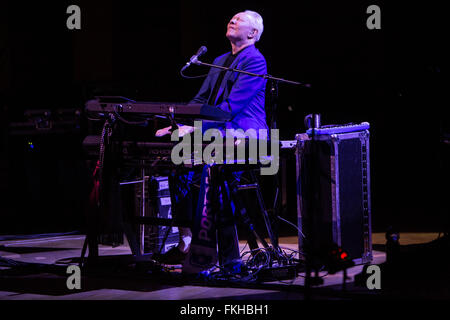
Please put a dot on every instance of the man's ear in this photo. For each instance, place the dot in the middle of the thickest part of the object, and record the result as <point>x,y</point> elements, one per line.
<point>253,34</point>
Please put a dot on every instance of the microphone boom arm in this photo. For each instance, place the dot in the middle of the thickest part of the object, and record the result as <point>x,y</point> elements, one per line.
<point>265,76</point>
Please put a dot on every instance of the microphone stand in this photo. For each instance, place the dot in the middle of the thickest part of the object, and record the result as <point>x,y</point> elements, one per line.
<point>274,81</point>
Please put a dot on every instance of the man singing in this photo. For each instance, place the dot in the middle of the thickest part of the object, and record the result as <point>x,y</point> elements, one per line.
<point>242,95</point>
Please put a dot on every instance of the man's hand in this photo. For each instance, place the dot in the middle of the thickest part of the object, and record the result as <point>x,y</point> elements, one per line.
<point>183,130</point>
<point>164,131</point>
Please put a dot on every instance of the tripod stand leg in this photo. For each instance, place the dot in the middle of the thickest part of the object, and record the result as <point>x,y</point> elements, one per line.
<point>253,236</point>
<point>83,252</point>
<point>91,244</point>
<point>273,238</point>
<point>252,241</point>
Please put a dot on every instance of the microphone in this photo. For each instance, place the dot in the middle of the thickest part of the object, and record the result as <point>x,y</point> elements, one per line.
<point>194,58</point>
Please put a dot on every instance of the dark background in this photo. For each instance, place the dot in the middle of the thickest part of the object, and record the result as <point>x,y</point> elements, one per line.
<point>392,78</point>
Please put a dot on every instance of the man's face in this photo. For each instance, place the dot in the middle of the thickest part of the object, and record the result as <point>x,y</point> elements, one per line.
<point>239,27</point>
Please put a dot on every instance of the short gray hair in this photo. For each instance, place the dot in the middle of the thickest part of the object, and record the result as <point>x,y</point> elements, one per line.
<point>256,21</point>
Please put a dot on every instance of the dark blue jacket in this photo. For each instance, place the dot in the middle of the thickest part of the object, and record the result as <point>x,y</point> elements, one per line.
<point>243,95</point>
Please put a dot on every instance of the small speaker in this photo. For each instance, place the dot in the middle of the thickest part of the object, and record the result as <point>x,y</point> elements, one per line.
<point>333,193</point>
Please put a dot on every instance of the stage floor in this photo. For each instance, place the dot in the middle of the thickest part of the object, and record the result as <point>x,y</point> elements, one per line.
<point>44,277</point>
